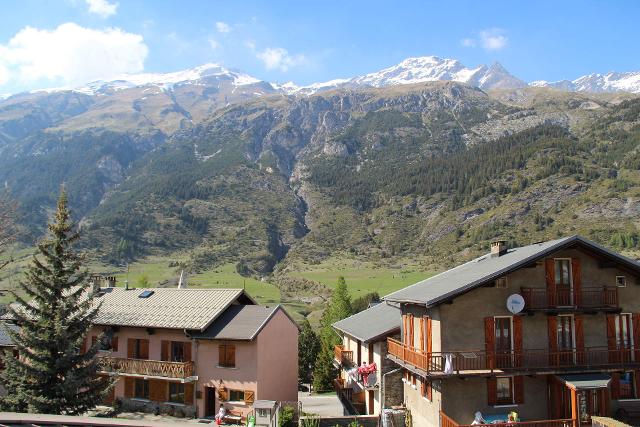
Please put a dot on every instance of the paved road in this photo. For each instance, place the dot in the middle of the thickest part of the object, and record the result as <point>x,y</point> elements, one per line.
<point>325,405</point>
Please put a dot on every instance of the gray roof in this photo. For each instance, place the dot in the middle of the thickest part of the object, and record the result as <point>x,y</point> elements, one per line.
<point>166,308</point>
<point>482,270</point>
<point>5,340</point>
<point>372,323</point>
<point>586,381</point>
<point>239,322</point>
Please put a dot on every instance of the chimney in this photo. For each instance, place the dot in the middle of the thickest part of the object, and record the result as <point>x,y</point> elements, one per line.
<point>111,282</point>
<point>95,283</point>
<point>498,248</point>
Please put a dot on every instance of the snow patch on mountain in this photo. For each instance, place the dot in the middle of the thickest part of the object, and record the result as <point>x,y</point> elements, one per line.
<point>609,82</point>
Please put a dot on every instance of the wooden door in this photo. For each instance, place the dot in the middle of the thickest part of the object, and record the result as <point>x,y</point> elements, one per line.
<point>503,341</point>
<point>210,402</point>
<point>564,288</point>
<point>371,402</point>
<point>566,339</point>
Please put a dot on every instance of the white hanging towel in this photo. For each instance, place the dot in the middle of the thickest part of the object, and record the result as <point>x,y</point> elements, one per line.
<point>448,364</point>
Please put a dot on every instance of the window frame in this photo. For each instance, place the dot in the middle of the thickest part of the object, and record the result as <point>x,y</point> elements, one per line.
<point>624,281</point>
<point>179,393</point>
<point>231,400</point>
<point>173,346</point>
<point>501,282</point>
<point>145,388</point>
<point>511,400</point>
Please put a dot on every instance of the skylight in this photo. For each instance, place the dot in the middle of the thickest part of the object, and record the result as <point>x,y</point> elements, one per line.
<point>145,294</point>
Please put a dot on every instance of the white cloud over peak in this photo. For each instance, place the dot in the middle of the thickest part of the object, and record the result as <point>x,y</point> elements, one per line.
<point>70,55</point>
<point>214,43</point>
<point>488,39</point>
<point>278,58</point>
<point>102,7</point>
<point>223,27</point>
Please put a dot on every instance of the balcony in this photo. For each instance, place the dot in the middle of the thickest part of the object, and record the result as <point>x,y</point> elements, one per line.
<point>598,298</point>
<point>351,400</point>
<point>342,356</point>
<point>449,422</point>
<point>481,362</point>
<point>146,368</point>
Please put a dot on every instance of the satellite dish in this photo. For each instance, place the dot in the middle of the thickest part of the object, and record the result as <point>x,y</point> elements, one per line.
<point>515,303</point>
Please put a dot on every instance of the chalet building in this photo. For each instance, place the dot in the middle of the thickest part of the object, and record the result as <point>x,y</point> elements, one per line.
<point>186,351</point>
<point>550,331</point>
<point>368,381</point>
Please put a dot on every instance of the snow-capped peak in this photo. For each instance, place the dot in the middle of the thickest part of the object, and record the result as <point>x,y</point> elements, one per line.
<point>595,82</point>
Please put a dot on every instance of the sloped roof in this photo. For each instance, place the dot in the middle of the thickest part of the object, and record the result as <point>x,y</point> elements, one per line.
<point>484,269</point>
<point>5,340</point>
<point>239,322</point>
<point>164,308</point>
<point>372,323</point>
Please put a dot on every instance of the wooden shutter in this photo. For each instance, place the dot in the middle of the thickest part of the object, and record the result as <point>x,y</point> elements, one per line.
<point>187,351</point>
<point>518,389</point>
<point>129,385</point>
<point>611,337</point>
<point>636,335</point>
<point>615,385</point>
<point>114,343</point>
<point>411,331</point>
<point>489,340</point>
<point>517,340</point>
<point>422,331</point>
<point>223,394</point>
<point>552,331</point>
<point>579,327</point>
<point>429,391</point>
<point>249,397</point>
<point>550,275</point>
<point>576,274</point>
<point>144,349</point>
<point>222,355</point>
<point>231,355</point>
<point>405,329</point>
<point>492,391</point>
<point>164,350</point>
<point>429,335</point>
<point>158,390</point>
<point>188,394</point>
<point>131,345</point>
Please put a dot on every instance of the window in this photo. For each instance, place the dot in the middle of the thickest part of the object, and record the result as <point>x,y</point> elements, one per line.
<point>626,386</point>
<point>236,395</point>
<point>176,392</point>
<point>138,348</point>
<point>623,324</point>
<point>141,389</point>
<point>227,355</point>
<point>501,282</point>
<point>504,392</point>
<point>425,389</point>
<point>621,281</point>
<point>563,271</point>
<point>177,351</point>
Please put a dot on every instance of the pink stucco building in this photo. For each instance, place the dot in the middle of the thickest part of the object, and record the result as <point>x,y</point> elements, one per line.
<point>187,351</point>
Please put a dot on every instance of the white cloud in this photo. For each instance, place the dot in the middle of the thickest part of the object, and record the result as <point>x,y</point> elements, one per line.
<point>102,7</point>
<point>214,44</point>
<point>468,42</point>
<point>223,27</point>
<point>4,74</point>
<point>71,54</point>
<point>493,39</point>
<point>279,58</point>
<point>250,44</point>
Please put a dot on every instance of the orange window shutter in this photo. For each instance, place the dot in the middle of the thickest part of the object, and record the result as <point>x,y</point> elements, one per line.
<point>422,328</point>
<point>164,350</point>
<point>158,390</point>
<point>429,335</point>
<point>114,343</point>
<point>187,351</point>
<point>429,391</point>
<point>492,391</point>
<point>405,329</point>
<point>249,396</point>
<point>411,331</point>
<point>188,394</point>
<point>489,340</point>
<point>128,387</point>
<point>550,276</point>
<point>131,345</point>
<point>231,355</point>
<point>576,273</point>
<point>518,389</point>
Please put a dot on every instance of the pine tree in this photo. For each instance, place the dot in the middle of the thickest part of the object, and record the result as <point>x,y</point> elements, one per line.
<point>338,309</point>
<point>52,375</point>
<point>308,349</point>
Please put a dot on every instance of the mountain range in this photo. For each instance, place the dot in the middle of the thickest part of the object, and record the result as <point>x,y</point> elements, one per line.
<point>424,159</point>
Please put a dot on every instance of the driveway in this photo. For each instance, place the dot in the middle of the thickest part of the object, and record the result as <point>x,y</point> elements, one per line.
<point>325,405</point>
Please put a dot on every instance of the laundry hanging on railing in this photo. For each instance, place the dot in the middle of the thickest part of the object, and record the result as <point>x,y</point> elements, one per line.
<point>448,363</point>
<point>365,370</point>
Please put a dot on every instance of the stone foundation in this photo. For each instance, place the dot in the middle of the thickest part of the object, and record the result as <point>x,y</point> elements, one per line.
<point>166,408</point>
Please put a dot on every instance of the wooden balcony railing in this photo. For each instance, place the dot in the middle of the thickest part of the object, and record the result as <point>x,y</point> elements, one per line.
<point>342,356</point>
<point>152,368</point>
<point>597,297</point>
<point>456,362</point>
<point>449,422</point>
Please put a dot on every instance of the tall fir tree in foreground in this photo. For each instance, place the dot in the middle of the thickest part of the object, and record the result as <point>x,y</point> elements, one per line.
<point>339,308</point>
<point>52,375</point>
<point>308,349</point>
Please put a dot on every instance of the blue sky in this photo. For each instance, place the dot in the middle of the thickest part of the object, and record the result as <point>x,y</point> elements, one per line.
<point>68,42</point>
